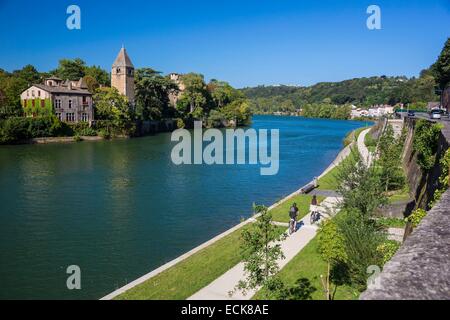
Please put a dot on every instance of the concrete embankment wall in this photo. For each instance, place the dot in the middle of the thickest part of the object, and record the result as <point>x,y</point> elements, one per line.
<point>420,269</point>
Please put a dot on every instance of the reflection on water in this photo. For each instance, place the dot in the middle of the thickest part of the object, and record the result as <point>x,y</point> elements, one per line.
<point>120,208</point>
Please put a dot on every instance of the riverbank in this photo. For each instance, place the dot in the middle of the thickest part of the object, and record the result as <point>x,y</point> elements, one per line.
<point>179,278</point>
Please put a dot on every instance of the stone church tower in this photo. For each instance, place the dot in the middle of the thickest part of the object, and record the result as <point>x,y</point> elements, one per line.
<point>122,75</point>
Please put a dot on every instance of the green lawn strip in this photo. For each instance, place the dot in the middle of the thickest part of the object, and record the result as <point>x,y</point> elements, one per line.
<point>329,181</point>
<point>309,264</point>
<point>190,275</point>
<point>402,195</point>
<point>353,136</point>
<point>281,212</point>
<point>392,222</point>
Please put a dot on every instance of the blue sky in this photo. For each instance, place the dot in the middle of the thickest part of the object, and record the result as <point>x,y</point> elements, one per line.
<point>245,42</point>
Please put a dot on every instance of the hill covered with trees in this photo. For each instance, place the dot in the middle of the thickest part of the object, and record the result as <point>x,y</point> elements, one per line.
<point>362,92</point>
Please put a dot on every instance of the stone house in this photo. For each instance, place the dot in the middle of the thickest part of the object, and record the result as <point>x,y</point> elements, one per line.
<point>69,100</point>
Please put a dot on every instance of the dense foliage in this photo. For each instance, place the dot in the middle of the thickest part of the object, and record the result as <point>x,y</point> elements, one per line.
<point>216,103</point>
<point>425,143</point>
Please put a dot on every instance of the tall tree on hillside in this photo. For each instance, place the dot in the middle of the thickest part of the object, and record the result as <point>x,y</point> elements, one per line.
<point>442,66</point>
<point>152,94</point>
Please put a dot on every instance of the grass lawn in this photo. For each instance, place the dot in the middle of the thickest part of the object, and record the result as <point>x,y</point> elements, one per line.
<point>190,275</point>
<point>401,195</point>
<point>392,222</point>
<point>281,212</point>
<point>353,136</point>
<point>309,264</point>
<point>329,181</point>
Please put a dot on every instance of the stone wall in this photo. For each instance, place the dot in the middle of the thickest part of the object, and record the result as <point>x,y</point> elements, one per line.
<point>420,269</point>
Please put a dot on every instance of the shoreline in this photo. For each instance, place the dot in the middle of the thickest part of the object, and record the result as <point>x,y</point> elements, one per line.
<point>339,157</point>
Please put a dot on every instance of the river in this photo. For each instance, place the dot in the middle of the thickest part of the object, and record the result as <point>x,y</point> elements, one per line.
<point>120,208</point>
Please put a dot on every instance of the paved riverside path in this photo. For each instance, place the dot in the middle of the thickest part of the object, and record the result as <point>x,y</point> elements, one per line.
<point>219,288</point>
<point>365,154</point>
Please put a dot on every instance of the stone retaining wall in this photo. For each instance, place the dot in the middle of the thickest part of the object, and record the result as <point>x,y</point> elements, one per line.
<point>420,269</point>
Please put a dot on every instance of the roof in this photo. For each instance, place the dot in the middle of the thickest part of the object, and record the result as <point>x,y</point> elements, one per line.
<point>54,78</point>
<point>123,60</point>
<point>62,89</point>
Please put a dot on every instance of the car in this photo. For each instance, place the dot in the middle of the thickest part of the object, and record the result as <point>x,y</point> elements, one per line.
<point>411,114</point>
<point>435,114</point>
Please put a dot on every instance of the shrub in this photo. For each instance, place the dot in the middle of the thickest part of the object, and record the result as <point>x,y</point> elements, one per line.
<point>425,143</point>
<point>416,216</point>
<point>388,249</point>
<point>180,123</point>
<point>83,129</point>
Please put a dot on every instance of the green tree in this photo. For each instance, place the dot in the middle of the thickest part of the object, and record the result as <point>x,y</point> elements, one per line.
<point>442,66</point>
<point>152,94</point>
<point>360,186</point>
<point>101,76</point>
<point>331,247</point>
<point>70,69</point>
<point>195,93</point>
<point>261,250</point>
<point>111,105</point>
<point>425,143</point>
<point>389,160</point>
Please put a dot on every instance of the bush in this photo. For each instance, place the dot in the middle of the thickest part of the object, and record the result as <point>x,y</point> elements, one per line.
<point>180,123</point>
<point>83,129</point>
<point>14,129</point>
<point>388,249</point>
<point>416,216</point>
<point>425,143</point>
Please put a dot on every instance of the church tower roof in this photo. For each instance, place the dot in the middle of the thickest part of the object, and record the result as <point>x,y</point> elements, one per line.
<point>123,60</point>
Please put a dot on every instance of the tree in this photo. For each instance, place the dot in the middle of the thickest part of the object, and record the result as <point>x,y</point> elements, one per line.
<point>261,250</point>
<point>359,185</point>
<point>195,93</point>
<point>28,74</point>
<point>91,83</point>
<point>362,238</point>
<point>101,76</point>
<point>331,247</point>
<point>111,105</point>
<point>389,160</point>
<point>152,94</point>
<point>442,66</point>
<point>70,69</point>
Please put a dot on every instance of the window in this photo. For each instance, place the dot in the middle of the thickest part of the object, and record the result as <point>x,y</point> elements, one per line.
<point>58,115</point>
<point>84,100</point>
<point>84,117</point>
<point>33,103</point>
<point>32,93</point>
<point>28,93</point>
<point>42,103</point>
<point>39,93</point>
<point>70,104</point>
<point>70,117</point>
<point>25,103</point>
